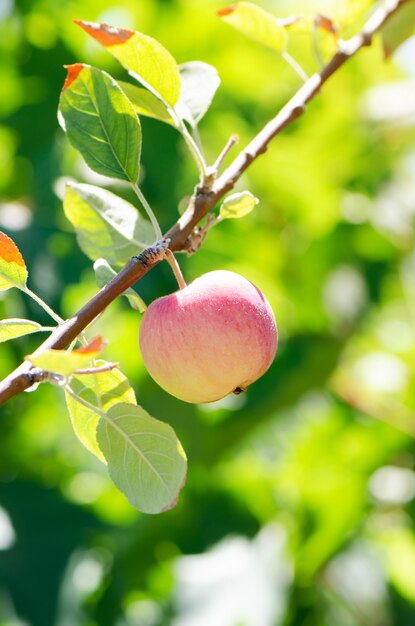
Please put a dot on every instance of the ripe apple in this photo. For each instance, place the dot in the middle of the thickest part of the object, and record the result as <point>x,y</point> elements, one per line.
<point>214,337</point>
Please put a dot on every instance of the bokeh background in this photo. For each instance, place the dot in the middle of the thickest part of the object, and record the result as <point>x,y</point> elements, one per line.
<point>299,506</point>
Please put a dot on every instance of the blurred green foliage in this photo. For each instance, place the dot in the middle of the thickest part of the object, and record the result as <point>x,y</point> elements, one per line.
<point>300,503</point>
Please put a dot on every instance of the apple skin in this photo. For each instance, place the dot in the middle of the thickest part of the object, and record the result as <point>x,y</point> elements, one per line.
<point>214,337</point>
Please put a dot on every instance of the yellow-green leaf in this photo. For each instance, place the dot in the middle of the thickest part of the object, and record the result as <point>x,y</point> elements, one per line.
<point>144,57</point>
<point>145,459</point>
<point>238,205</point>
<point>13,272</point>
<point>102,390</point>
<point>146,103</point>
<point>256,23</point>
<point>13,328</point>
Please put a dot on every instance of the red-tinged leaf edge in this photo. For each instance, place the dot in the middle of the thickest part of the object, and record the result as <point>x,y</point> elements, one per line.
<point>226,10</point>
<point>104,33</point>
<point>9,252</point>
<point>175,500</point>
<point>73,73</point>
<point>97,344</point>
<point>325,23</point>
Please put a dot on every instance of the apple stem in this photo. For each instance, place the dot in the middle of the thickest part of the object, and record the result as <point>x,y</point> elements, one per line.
<point>172,261</point>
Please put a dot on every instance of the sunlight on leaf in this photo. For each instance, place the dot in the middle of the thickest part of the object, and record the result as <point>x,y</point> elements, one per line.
<point>144,57</point>
<point>200,82</point>
<point>255,23</point>
<point>13,328</point>
<point>102,390</point>
<point>145,459</point>
<point>146,103</point>
<point>13,272</point>
<point>238,205</point>
<point>101,122</point>
<point>106,226</point>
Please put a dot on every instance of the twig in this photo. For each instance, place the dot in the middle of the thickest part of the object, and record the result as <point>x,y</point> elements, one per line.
<point>232,141</point>
<point>199,234</point>
<point>202,201</point>
<point>97,370</point>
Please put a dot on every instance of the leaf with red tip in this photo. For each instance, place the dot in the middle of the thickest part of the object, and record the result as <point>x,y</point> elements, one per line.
<point>66,363</point>
<point>105,34</point>
<point>73,73</point>
<point>226,10</point>
<point>13,271</point>
<point>97,344</point>
<point>255,23</point>
<point>101,122</point>
<point>145,459</point>
<point>144,57</point>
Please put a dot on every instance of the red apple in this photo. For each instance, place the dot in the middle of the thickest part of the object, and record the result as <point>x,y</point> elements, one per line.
<point>214,337</point>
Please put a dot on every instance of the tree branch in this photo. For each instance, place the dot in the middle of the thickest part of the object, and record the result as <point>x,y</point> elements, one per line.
<point>202,201</point>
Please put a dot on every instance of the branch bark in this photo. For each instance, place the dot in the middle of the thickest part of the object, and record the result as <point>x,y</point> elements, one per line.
<point>203,200</point>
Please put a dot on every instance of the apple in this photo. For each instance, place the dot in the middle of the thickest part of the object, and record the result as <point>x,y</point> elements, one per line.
<point>214,337</point>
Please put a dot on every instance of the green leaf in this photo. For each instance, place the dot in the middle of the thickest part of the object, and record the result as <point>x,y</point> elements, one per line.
<point>199,84</point>
<point>13,328</point>
<point>398,28</point>
<point>144,57</point>
<point>102,390</point>
<point>101,122</point>
<point>106,226</point>
<point>238,205</point>
<point>65,363</point>
<point>104,274</point>
<point>145,458</point>
<point>146,103</point>
<point>13,272</point>
<point>255,23</point>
